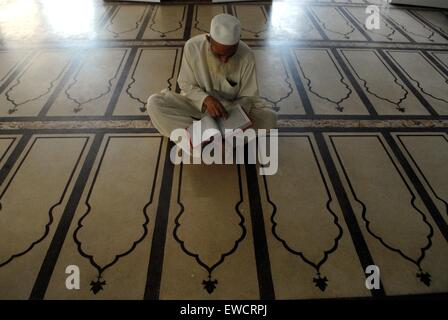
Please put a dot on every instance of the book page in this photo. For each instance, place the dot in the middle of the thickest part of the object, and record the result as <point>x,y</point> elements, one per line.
<point>197,132</point>
<point>237,119</point>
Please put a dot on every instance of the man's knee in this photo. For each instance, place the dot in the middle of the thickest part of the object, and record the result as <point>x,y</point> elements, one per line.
<point>267,119</point>
<point>154,105</point>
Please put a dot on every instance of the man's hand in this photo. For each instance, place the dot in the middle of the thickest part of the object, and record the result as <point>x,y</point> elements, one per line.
<point>214,107</point>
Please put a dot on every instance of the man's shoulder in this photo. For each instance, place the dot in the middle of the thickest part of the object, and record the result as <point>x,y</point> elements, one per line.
<point>195,42</point>
<point>245,52</point>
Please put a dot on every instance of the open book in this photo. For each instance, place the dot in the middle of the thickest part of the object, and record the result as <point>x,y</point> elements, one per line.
<point>237,119</point>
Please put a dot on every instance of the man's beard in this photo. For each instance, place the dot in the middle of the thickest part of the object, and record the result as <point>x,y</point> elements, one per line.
<point>217,67</point>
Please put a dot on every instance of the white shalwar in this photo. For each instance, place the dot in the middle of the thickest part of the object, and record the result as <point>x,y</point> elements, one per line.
<point>201,75</point>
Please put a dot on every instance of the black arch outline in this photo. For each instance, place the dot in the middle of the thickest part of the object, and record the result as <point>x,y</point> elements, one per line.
<point>98,285</point>
<point>365,84</point>
<point>256,34</point>
<point>50,88</point>
<point>341,80</point>
<point>59,202</point>
<point>419,170</point>
<point>424,276</point>
<point>131,76</point>
<point>210,284</point>
<point>163,34</point>
<point>196,21</point>
<point>74,80</point>
<point>115,13</point>
<point>419,85</point>
<point>347,22</point>
<point>320,282</point>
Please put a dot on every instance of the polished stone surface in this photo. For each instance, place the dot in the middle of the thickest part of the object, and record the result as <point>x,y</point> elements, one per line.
<point>85,179</point>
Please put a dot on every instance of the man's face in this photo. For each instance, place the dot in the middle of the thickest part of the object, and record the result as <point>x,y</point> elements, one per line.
<point>221,51</point>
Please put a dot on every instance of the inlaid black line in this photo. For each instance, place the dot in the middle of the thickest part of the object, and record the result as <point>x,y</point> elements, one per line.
<point>195,23</point>
<point>109,12</point>
<point>439,66</point>
<point>162,34</point>
<point>364,129</point>
<point>155,265</point>
<point>258,33</point>
<point>74,81</point>
<point>310,16</point>
<point>52,98</point>
<point>99,282</point>
<point>188,22</point>
<point>374,31</point>
<point>420,84</point>
<point>319,280</point>
<point>287,81</point>
<point>230,9</point>
<point>437,29</point>
<point>26,131</point>
<point>16,70</point>
<point>49,263</point>
<point>337,101</point>
<point>177,57</point>
<point>133,80</point>
<point>14,156</point>
<point>209,284</point>
<point>420,171</point>
<point>435,61</point>
<point>368,88</point>
<point>396,27</point>
<point>346,35</point>
<point>334,3</point>
<point>72,118</point>
<point>265,283</point>
<point>365,100</point>
<point>46,230</point>
<point>424,276</point>
<point>404,79</point>
<point>177,88</point>
<point>355,24</point>
<point>364,255</point>
<point>257,43</point>
<point>268,10</point>
<point>281,116</point>
<point>120,83</point>
<point>431,31</point>
<point>310,24</point>
<point>11,69</point>
<point>289,58</point>
<point>16,104</point>
<point>144,25</point>
<point>2,156</point>
<point>87,130</point>
<point>135,27</point>
<point>361,117</point>
<point>424,195</point>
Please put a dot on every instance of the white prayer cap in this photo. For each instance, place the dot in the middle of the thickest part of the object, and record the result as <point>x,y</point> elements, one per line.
<point>225,29</point>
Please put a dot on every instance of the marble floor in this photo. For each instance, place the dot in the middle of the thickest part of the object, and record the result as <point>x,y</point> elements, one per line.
<point>86,180</point>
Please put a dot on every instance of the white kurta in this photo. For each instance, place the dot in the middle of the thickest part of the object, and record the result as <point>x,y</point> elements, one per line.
<point>199,78</point>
